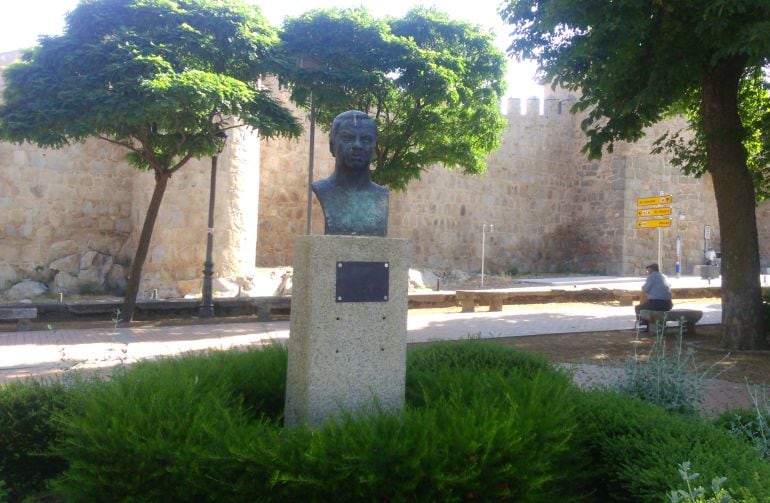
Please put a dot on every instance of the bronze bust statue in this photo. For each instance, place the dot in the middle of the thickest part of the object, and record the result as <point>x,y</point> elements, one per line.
<point>352,204</point>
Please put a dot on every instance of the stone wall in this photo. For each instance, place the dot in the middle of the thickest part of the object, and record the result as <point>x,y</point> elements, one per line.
<point>178,248</point>
<point>693,206</point>
<point>553,211</point>
<point>58,203</point>
<point>283,190</point>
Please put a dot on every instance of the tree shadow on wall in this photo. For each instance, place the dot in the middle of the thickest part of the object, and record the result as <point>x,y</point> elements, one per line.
<point>570,248</point>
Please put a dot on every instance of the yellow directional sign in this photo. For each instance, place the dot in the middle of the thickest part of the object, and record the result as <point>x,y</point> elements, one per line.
<point>648,224</point>
<point>654,212</point>
<point>650,201</point>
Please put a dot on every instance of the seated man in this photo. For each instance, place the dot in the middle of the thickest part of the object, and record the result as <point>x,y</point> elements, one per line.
<point>658,292</point>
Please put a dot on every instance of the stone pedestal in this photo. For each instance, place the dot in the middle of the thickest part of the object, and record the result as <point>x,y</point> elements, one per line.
<point>347,343</point>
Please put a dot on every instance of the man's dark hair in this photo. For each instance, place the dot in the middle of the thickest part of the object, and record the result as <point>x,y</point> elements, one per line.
<point>653,267</point>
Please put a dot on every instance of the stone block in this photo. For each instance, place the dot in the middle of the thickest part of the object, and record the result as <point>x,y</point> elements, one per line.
<point>27,289</point>
<point>69,264</point>
<point>7,274</point>
<point>345,356</point>
<point>65,282</point>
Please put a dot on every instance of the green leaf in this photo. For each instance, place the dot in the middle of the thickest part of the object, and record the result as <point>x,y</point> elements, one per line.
<point>432,84</point>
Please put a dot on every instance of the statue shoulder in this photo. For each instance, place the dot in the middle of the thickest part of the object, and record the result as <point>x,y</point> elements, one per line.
<point>322,187</point>
<point>379,189</point>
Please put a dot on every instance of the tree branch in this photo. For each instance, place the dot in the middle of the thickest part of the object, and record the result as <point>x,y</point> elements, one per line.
<point>129,146</point>
<point>178,165</point>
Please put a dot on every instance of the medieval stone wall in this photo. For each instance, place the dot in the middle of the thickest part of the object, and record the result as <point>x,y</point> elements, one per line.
<point>552,210</point>
<point>58,203</point>
<point>178,248</point>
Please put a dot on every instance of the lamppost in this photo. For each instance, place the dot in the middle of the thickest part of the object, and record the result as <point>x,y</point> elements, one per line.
<point>206,308</point>
<point>308,63</point>
<point>311,155</point>
<point>483,246</point>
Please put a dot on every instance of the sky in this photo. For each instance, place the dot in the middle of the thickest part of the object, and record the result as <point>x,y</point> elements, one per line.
<point>23,21</point>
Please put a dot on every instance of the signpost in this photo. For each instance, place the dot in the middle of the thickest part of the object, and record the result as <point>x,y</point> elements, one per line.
<point>649,224</point>
<point>654,200</point>
<point>654,212</point>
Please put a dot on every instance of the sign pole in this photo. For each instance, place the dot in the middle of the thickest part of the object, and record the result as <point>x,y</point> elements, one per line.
<point>648,215</point>
<point>678,256</point>
<point>660,246</point>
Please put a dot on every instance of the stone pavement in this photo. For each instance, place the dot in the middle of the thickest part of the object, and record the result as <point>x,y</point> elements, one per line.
<point>46,353</point>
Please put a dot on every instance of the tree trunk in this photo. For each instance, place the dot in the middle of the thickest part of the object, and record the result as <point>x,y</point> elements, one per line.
<point>132,289</point>
<point>742,323</point>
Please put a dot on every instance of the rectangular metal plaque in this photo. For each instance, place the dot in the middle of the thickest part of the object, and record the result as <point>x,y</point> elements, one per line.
<point>362,281</point>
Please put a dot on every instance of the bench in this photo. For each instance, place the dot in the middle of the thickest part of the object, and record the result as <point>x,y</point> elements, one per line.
<point>627,298</point>
<point>469,298</point>
<point>684,318</point>
<point>265,305</point>
<point>21,315</point>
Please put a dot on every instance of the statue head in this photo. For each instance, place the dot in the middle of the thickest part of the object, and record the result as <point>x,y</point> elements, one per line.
<point>352,140</point>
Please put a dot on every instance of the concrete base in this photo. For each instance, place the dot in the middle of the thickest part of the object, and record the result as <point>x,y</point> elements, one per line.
<point>345,356</point>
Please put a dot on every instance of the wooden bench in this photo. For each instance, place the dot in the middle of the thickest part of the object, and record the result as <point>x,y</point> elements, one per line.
<point>21,315</point>
<point>684,318</point>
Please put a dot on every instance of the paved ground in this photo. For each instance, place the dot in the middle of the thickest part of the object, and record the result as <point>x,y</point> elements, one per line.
<point>40,353</point>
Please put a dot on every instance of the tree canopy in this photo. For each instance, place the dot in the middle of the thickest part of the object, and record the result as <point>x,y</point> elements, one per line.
<point>162,78</point>
<point>433,84</point>
<point>634,63</point>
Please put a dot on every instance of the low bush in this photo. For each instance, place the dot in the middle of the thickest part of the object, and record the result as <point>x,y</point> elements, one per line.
<point>636,446</point>
<point>155,431</point>
<point>475,435</point>
<point>751,425</point>
<point>481,422</point>
<point>27,430</point>
<point>696,493</point>
<point>492,424</point>
<point>427,364</point>
<point>667,377</point>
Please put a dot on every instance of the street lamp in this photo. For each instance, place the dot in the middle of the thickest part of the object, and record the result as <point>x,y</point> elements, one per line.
<point>311,155</point>
<point>308,63</point>
<point>483,246</point>
<point>206,308</point>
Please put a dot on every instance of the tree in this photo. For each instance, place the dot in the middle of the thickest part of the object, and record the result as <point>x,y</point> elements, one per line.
<point>162,78</point>
<point>433,84</point>
<point>635,62</point>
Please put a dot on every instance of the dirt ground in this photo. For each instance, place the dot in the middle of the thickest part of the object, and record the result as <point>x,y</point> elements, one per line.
<point>616,347</point>
<point>611,348</point>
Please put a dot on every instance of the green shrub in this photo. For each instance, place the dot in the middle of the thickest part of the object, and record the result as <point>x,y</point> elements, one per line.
<point>155,431</point>
<point>698,494</point>
<point>475,355</point>
<point>635,447</point>
<point>493,424</point>
<point>482,422</point>
<point>668,378</point>
<point>475,434</point>
<point>752,425</point>
<point>27,431</point>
